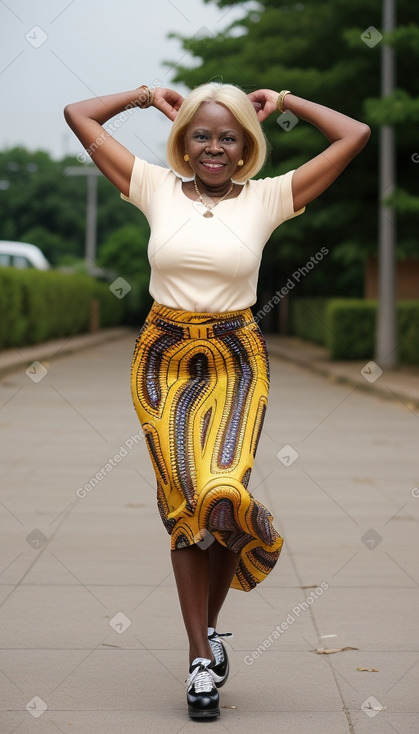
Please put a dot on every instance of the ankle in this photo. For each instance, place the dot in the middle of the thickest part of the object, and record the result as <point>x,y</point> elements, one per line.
<point>202,651</point>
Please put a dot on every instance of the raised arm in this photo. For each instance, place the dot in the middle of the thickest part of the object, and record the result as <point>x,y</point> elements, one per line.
<point>346,136</point>
<point>86,119</point>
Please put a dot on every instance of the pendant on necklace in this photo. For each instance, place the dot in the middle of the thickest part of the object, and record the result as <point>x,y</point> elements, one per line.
<point>208,214</point>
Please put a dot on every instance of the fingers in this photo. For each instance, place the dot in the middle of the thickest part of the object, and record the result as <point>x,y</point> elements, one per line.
<point>258,104</point>
<point>179,101</point>
<point>262,115</point>
<point>263,105</point>
<point>259,101</point>
<point>167,110</point>
<point>168,102</point>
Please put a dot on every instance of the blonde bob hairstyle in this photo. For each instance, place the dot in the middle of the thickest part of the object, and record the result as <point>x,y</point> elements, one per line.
<point>240,106</point>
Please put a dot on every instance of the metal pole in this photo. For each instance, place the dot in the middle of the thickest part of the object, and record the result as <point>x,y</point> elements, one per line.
<point>386,338</point>
<point>92,174</point>
<point>91,216</point>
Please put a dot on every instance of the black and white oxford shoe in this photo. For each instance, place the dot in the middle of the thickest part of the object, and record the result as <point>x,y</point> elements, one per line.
<point>202,695</point>
<point>220,667</point>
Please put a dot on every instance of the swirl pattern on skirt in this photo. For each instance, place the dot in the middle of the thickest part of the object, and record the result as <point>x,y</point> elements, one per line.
<point>200,385</point>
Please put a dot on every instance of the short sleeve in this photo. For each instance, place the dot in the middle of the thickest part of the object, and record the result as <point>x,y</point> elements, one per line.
<point>145,178</point>
<point>276,196</point>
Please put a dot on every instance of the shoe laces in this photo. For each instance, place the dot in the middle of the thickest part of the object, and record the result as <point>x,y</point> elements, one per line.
<point>202,679</point>
<point>216,645</point>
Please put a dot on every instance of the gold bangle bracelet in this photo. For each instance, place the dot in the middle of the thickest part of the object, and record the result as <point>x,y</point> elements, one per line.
<point>280,100</point>
<point>147,103</point>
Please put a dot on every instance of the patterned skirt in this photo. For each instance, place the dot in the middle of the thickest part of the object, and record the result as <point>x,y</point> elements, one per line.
<point>200,384</point>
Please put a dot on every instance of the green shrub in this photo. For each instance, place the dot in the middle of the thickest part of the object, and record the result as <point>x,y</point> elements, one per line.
<point>350,330</point>
<point>408,328</point>
<point>36,306</point>
<point>13,320</point>
<point>347,326</point>
<point>308,319</point>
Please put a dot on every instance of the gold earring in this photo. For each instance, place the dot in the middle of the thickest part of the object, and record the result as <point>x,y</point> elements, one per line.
<point>240,162</point>
<point>186,157</point>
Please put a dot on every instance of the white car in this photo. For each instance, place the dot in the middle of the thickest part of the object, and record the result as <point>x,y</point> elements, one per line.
<point>22,255</point>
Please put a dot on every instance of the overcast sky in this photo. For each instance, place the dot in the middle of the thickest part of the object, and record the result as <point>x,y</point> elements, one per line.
<point>53,52</point>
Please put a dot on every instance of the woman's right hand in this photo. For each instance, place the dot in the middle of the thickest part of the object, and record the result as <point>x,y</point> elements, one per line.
<point>167,101</point>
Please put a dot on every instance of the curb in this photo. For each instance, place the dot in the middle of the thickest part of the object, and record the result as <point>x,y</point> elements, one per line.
<point>12,360</point>
<point>348,376</point>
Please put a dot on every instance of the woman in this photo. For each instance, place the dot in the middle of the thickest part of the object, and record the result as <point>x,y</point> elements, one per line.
<point>200,374</point>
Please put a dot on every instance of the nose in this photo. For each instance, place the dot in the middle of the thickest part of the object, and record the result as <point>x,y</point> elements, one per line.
<point>213,147</point>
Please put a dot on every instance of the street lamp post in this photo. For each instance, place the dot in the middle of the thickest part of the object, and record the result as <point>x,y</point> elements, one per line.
<point>386,337</point>
<point>92,174</point>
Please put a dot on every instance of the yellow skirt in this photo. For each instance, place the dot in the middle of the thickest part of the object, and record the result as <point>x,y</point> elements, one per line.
<point>200,385</point>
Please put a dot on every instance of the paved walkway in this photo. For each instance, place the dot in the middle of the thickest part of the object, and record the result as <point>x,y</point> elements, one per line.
<point>401,383</point>
<point>90,630</point>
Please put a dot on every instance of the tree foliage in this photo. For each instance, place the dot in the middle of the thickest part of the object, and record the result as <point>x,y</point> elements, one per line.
<point>315,49</point>
<point>125,253</point>
<point>43,206</point>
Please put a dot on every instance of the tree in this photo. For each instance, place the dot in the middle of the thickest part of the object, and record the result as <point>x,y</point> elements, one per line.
<point>43,206</point>
<point>315,49</point>
<point>125,253</point>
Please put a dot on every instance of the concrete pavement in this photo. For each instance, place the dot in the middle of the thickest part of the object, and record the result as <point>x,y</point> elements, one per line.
<point>401,383</point>
<point>90,630</point>
<point>15,358</point>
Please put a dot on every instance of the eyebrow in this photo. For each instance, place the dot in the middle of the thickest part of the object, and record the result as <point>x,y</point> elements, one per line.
<point>205,130</point>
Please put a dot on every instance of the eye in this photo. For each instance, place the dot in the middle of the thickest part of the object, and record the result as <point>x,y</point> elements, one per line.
<point>200,136</point>
<point>229,139</point>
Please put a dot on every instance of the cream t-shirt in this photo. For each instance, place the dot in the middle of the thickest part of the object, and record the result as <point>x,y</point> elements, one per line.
<point>207,264</point>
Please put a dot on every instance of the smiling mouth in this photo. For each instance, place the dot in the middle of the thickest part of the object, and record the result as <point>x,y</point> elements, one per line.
<point>213,165</point>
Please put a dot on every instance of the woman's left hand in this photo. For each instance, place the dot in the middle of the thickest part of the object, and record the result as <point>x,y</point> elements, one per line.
<point>264,102</point>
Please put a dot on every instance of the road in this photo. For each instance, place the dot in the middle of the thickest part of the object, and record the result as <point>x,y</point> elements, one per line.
<point>91,633</point>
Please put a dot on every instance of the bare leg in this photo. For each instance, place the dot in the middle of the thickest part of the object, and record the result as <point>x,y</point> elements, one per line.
<point>222,567</point>
<point>191,569</point>
<point>203,578</point>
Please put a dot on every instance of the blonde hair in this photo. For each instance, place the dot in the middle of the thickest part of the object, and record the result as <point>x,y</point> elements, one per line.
<point>240,106</point>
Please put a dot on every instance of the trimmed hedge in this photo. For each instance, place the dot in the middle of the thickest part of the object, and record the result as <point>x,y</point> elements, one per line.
<point>350,328</point>
<point>308,319</point>
<point>408,327</point>
<point>36,306</point>
<point>347,326</point>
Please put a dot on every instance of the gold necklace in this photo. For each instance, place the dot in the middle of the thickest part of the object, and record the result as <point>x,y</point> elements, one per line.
<point>209,213</point>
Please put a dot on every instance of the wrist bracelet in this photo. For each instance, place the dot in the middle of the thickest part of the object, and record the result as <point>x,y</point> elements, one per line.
<point>280,100</point>
<point>147,103</point>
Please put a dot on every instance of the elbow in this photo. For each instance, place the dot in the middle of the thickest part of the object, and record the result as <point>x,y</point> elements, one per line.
<point>68,112</point>
<point>359,138</point>
<point>364,132</point>
<point>72,113</point>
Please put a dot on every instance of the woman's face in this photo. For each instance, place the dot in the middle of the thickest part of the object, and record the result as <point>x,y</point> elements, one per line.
<point>214,141</point>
